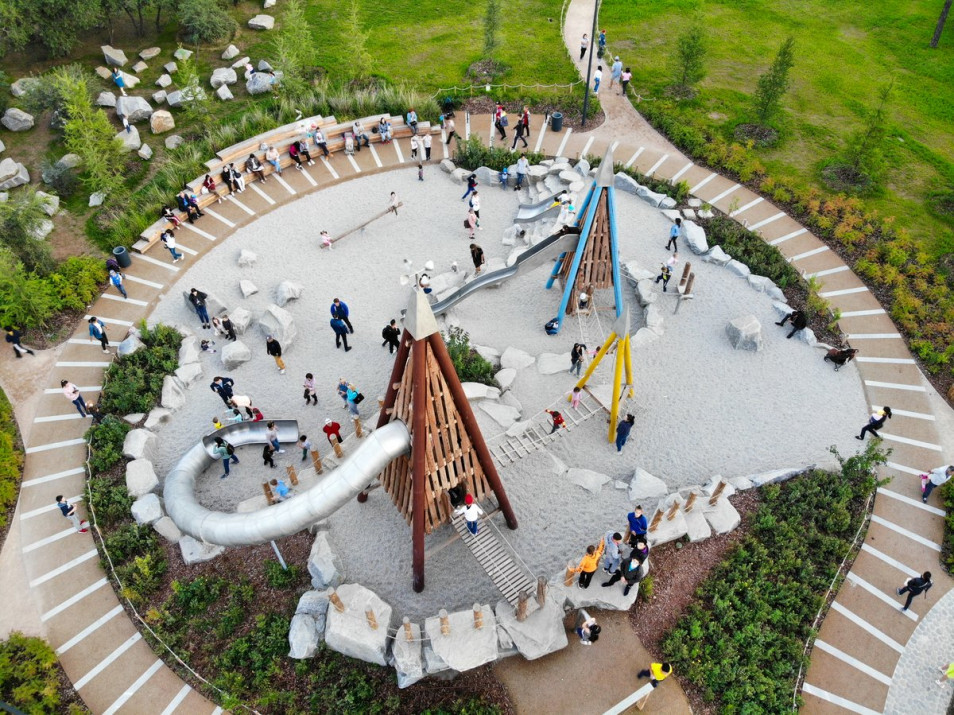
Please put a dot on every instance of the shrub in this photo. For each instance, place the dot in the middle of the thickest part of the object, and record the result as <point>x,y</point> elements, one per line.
<point>62,179</point>
<point>749,248</point>
<point>21,218</point>
<point>143,575</point>
<point>11,458</point>
<point>472,154</point>
<point>277,577</point>
<point>78,281</point>
<point>689,58</point>
<point>130,540</point>
<point>29,675</point>
<point>204,21</point>
<point>134,382</point>
<point>109,500</point>
<point>468,363</point>
<point>947,495</point>
<point>106,443</point>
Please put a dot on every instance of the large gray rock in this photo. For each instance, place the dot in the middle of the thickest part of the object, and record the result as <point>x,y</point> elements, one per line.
<point>624,182</point>
<point>16,120</point>
<point>247,258</point>
<point>717,255</point>
<point>158,416</point>
<point>130,345</point>
<point>650,197</point>
<point>150,53</point>
<point>491,355</point>
<point>553,363</point>
<point>760,283</point>
<point>695,237</point>
<point>475,391</point>
<point>540,634</point>
<point>643,486</point>
<point>223,75</point>
<point>105,99</point>
<point>737,268</point>
<point>263,22</point>
<point>224,93</point>
<point>314,603</point>
<point>189,350</point>
<point>241,319</point>
<point>97,198</point>
<point>235,353</point>
<point>323,564</point>
<point>406,656</point>
<point>139,444</point>
<point>141,477</point>
<point>722,517</point>
<point>182,54</point>
<point>645,293</point>
<point>51,202</point>
<point>147,509</point>
<point>189,374</point>
<point>278,323</point>
<point>8,169</point>
<point>213,304</point>
<point>145,152</point>
<point>505,378</point>
<point>43,229</point>
<point>114,57</point>
<point>164,81</point>
<point>162,121</point>
<point>775,476</point>
<point>588,480</point>
<point>167,529</point>
<point>173,394</point>
<point>653,318</point>
<point>170,67</point>
<point>447,166</point>
<point>609,599</point>
<point>130,139</point>
<point>287,291</point>
<point>259,83</point>
<point>174,141</point>
<point>745,333</point>
<point>69,161</point>
<point>303,638</point>
<point>697,528</point>
<point>140,67</point>
<point>503,415</point>
<point>349,633</point>
<point>465,647</point>
<point>516,358</point>
<point>196,552</point>
<point>183,96</point>
<point>231,52</point>
<point>23,85</point>
<point>247,287</point>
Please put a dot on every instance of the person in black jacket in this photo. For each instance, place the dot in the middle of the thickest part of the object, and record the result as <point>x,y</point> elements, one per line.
<point>914,586</point>
<point>391,336</point>
<point>875,422</point>
<point>222,386</point>
<point>631,569</point>
<point>799,321</point>
<point>274,348</point>
<point>14,337</point>
<point>198,298</point>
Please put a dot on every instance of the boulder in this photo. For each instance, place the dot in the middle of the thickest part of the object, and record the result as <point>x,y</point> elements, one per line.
<point>157,417</point>
<point>745,333</point>
<point>16,120</point>
<point>97,199</point>
<point>737,268</point>
<point>247,258</point>
<point>695,237</point>
<point>159,98</point>
<point>139,444</point>
<point>196,552</point>
<point>170,67</point>
<point>150,53</point>
<point>182,54</point>
<point>189,374</point>
<point>643,486</point>
<point>503,415</point>
<point>130,80</point>
<point>303,637</point>
<point>279,323</point>
<point>447,166</point>
<point>164,81</point>
<point>223,75</point>
<point>224,93</point>
<point>134,418</point>
<point>8,169</point>
<point>464,647</point>
<point>645,293</point>
<point>722,517</point>
<point>624,182</point>
<point>667,202</point>
<point>349,633</point>
<point>51,202</point>
<point>231,52</point>
<point>516,358</point>
<point>23,85</point>
<point>505,378</point>
<point>147,509</point>
<point>644,337</point>
<point>588,480</point>
<point>241,62</point>
<point>775,476</point>
<point>141,477</point>
<point>650,197</point>
<point>174,141</point>
<point>259,83</point>
<point>552,363</point>
<point>491,355</point>
<point>114,57</point>
<point>406,656</point>
<point>182,96</point>
<point>459,175</point>
<point>129,346</point>
<point>510,400</point>
<point>241,319</point>
<point>130,139</point>
<point>263,22</point>
<point>541,633</point>
<point>105,99</point>
<point>162,121</point>
<point>717,255</point>
<point>69,161</point>
<point>41,230</point>
<point>433,663</point>
<point>140,67</point>
<point>475,391</point>
<point>807,336</point>
<point>782,308</point>
<point>323,564</point>
<point>247,287</point>
<point>740,484</point>
<point>103,73</point>
<point>760,283</point>
<point>189,350</point>
<point>167,529</point>
<point>653,318</point>
<point>235,353</point>
<point>145,152</point>
<point>173,393</point>
<point>287,291</point>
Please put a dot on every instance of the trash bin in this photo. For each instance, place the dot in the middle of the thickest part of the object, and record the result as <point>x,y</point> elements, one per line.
<point>122,257</point>
<point>556,121</point>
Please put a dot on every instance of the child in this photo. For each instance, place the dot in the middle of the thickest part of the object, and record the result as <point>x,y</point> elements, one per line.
<point>235,417</point>
<point>471,513</point>
<point>280,489</point>
<point>575,398</point>
<point>504,177</point>
<point>420,172</point>
<point>589,631</point>
<point>557,418</point>
<point>305,445</point>
<point>309,385</point>
<point>216,424</point>
<point>257,415</point>
<point>326,240</point>
<point>267,451</point>
<point>217,327</point>
<point>665,273</point>
<point>206,346</point>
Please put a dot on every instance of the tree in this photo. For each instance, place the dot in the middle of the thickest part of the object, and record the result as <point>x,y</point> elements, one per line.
<point>204,21</point>
<point>14,30</point>
<point>940,23</point>
<point>689,60</point>
<point>863,153</point>
<point>294,50</point>
<point>58,24</point>
<point>21,218</point>
<point>491,25</point>
<point>197,104</point>
<point>356,41</point>
<point>774,83</point>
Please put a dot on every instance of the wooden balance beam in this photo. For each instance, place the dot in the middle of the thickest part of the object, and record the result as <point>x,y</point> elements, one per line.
<point>360,226</point>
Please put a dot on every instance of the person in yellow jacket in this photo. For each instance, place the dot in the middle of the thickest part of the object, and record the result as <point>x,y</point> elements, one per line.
<point>657,672</point>
<point>589,563</point>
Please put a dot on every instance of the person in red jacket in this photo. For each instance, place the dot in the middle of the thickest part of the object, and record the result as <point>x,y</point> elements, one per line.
<point>558,422</point>
<point>332,429</point>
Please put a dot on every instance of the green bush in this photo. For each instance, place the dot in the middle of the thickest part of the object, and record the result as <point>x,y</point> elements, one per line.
<point>62,179</point>
<point>947,495</point>
<point>749,248</point>
<point>473,153</point>
<point>30,676</point>
<point>468,363</point>
<point>78,281</point>
<point>130,540</point>
<point>204,21</point>
<point>106,443</point>
<point>11,458</point>
<point>142,576</point>
<point>134,382</point>
<point>21,217</point>
<point>277,577</point>
<point>110,501</point>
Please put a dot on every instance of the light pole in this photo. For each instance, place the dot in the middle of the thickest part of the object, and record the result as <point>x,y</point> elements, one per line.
<point>589,64</point>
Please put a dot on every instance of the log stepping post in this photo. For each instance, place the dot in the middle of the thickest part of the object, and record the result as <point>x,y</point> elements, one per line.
<point>316,460</point>
<point>716,494</point>
<point>338,453</point>
<point>655,523</point>
<point>292,475</point>
<point>408,633</point>
<point>570,573</point>
<point>269,497</point>
<point>372,621</point>
<point>690,502</point>
<point>357,428</point>
<point>673,510</point>
<point>478,617</point>
<point>541,591</point>
<point>445,622</point>
<point>522,606</point>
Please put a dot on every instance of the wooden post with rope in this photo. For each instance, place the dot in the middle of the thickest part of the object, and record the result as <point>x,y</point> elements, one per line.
<point>541,591</point>
<point>316,460</point>
<point>357,428</point>
<point>292,475</point>
<point>372,621</point>
<point>685,293</point>
<point>673,510</point>
<point>522,606</point>
<point>690,502</point>
<point>408,633</point>
<point>269,497</point>
<point>478,617</point>
<point>655,523</point>
<point>445,622</point>
<point>337,447</point>
<point>336,601</point>
<point>570,573</point>
<point>716,494</point>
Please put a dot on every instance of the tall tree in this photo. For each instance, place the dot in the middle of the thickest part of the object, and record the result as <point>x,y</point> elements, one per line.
<point>940,23</point>
<point>863,154</point>
<point>689,59</point>
<point>774,83</point>
<point>491,27</point>
<point>356,42</point>
<point>294,50</point>
<point>58,24</point>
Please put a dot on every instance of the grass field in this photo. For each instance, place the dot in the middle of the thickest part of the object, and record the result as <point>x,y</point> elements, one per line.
<point>844,53</point>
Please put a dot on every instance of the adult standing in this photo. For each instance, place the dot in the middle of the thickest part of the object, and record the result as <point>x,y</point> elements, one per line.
<point>198,298</point>
<point>616,71</point>
<point>674,232</point>
<point>427,146</point>
<point>69,511</point>
<point>477,255</point>
<point>638,525</point>
<point>576,358</point>
<point>228,328</point>
<point>274,348</point>
<point>222,386</point>
<point>475,205</point>
<point>612,557</point>
<point>630,570</point>
<point>391,336</point>
<point>584,45</point>
<point>518,131</point>
<point>622,431</point>
<point>221,451</point>
<point>72,393</point>
<point>332,429</point>
<point>936,478</point>
<point>624,79</point>
<point>501,121</point>
<point>471,221</point>
<point>523,166</point>
<point>597,78</point>
<point>339,310</point>
<point>525,121</point>
<point>602,44</point>
<point>271,434</point>
<point>341,334</point>
<point>14,337</point>
<point>97,331</point>
<point>875,422</point>
<point>914,587</point>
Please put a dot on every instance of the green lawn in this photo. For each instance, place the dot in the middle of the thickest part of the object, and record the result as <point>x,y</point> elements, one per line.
<point>845,52</point>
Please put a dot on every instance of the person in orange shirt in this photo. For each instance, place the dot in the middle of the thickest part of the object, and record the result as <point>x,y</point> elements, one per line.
<point>589,563</point>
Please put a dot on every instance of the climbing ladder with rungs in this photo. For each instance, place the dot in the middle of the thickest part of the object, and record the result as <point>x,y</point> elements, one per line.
<point>507,449</point>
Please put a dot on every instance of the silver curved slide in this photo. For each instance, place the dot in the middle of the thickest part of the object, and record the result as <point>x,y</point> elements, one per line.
<point>531,258</point>
<point>242,433</point>
<point>539,210</point>
<point>332,492</point>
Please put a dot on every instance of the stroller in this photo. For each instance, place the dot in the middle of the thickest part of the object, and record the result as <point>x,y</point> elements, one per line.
<point>349,143</point>
<point>841,356</point>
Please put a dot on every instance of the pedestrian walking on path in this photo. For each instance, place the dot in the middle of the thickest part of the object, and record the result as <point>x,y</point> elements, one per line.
<point>936,478</point>
<point>426,145</point>
<point>341,333</point>
<point>117,280</point>
<point>477,256</point>
<point>471,221</point>
<point>624,79</point>
<point>391,336</point>
<point>799,322</point>
<point>339,310</point>
<point>274,348</point>
<point>267,452</point>
<point>332,429</point>
<point>638,525</point>
<point>69,511</point>
<point>198,299</point>
<point>523,165</point>
<point>657,672</point>
<point>914,587</point>
<point>584,45</point>
<point>875,422</point>
<point>450,129</point>
<point>588,564</point>
<point>354,399</point>
<point>947,673</point>
<point>674,232</point>
<point>616,71</point>
<point>226,452</point>
<point>471,186</point>
<point>97,331</point>
<point>597,77</point>
<point>168,239</point>
<point>222,386</point>
<point>475,205</point>
<point>501,122</point>
<point>622,431</point>
<point>342,389</point>
<point>304,444</point>
<point>576,358</point>
<point>472,513</point>
<point>14,337</point>
<point>558,421</point>
<point>601,49</point>
<point>518,135</point>
<point>310,392</point>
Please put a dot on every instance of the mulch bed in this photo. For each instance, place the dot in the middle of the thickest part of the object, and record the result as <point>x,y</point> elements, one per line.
<point>59,327</point>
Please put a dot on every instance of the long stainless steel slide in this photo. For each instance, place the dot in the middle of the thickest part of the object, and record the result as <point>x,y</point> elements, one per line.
<point>531,258</point>
<point>332,492</point>
<point>550,206</point>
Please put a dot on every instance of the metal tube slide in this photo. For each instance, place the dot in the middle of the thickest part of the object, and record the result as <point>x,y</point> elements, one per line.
<point>549,206</point>
<point>291,516</point>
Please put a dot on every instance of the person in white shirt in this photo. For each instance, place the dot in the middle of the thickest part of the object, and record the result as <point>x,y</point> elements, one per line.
<point>522,167</point>
<point>320,140</point>
<point>412,120</point>
<point>597,76</point>
<point>415,145</point>
<point>384,129</point>
<point>475,205</point>
<point>936,478</point>
<point>471,513</point>
<point>360,134</point>
<point>427,147</point>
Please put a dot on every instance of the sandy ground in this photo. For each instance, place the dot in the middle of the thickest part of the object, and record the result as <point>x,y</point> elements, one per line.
<point>702,408</point>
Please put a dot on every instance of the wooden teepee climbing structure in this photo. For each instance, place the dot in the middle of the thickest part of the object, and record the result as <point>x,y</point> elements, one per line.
<point>447,448</point>
<point>595,263</point>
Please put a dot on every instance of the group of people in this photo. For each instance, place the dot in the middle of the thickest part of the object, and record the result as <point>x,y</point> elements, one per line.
<point>617,73</point>
<point>609,552</point>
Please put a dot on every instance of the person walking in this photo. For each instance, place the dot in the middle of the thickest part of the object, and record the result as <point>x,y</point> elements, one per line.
<point>341,333</point>
<point>523,166</point>
<point>477,256</point>
<point>222,386</point>
<point>947,673</point>
<point>450,129</point>
<point>198,299</point>
<point>875,422</point>
<point>518,134</point>
<point>339,310</point>
<point>665,273</point>
<point>471,512</point>
<point>674,232</point>
<point>936,478</point>
<point>304,444</point>
<point>117,280</point>
<point>69,511</point>
<point>500,121</point>
<point>638,525</point>
<point>221,451</point>
<point>799,322</point>
<point>228,328</point>
<point>624,79</point>
<point>656,672</point>
<point>471,186</point>
<point>254,166</point>
<point>475,205</point>
<point>332,429</point>
<point>14,337</point>
<point>525,121</point>
<point>310,392</point>
<point>72,393</point>
<point>415,146</point>
<point>597,78</point>
<point>118,80</point>
<point>914,587</point>
<point>471,222</point>
<point>354,399</point>
<point>268,451</point>
<point>274,348</point>
<point>271,434</point>
<point>588,564</point>
<point>576,358</point>
<point>602,44</point>
<point>558,421</point>
<point>622,431</point>
<point>391,336</point>
<point>342,390</point>
<point>616,71</point>
<point>426,145</point>
<point>97,331</point>
<point>168,239</point>
<point>584,45</point>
